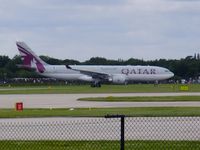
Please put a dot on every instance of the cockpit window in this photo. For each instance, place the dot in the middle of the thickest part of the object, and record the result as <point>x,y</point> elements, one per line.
<point>166,71</point>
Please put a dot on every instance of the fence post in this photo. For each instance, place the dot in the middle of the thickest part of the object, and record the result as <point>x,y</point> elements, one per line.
<point>122,117</point>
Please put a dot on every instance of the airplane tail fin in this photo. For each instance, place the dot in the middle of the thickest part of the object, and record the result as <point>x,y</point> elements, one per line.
<point>29,58</point>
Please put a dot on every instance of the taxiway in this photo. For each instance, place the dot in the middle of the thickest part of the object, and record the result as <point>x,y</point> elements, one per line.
<point>70,100</point>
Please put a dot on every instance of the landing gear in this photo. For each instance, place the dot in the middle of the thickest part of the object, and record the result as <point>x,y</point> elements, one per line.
<point>156,83</point>
<point>96,84</point>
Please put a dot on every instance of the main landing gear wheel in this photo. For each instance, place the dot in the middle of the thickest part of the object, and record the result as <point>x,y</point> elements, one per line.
<point>96,84</point>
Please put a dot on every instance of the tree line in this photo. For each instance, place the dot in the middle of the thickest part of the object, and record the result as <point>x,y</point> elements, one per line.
<point>185,68</point>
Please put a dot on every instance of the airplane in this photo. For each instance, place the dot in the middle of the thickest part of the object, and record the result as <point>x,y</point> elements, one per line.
<point>96,74</point>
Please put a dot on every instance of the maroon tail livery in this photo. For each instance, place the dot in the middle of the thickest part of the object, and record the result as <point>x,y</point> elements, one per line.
<point>30,60</point>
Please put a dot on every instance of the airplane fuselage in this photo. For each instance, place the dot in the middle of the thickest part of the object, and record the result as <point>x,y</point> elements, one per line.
<point>91,73</point>
<point>123,73</point>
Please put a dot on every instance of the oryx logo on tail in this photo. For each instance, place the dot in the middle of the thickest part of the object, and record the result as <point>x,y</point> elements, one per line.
<point>30,60</point>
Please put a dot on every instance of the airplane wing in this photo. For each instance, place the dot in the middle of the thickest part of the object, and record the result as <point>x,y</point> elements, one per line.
<point>93,74</point>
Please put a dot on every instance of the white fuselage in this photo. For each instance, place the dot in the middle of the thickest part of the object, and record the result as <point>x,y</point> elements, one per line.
<point>92,73</point>
<point>117,73</point>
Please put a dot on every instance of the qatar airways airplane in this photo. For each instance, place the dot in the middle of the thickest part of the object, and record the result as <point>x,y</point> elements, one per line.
<point>96,74</point>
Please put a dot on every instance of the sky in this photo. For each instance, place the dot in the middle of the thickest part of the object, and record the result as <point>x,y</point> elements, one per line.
<point>113,29</point>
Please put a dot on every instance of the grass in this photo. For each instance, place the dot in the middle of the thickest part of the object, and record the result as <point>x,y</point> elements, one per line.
<point>101,112</point>
<point>98,145</point>
<point>138,88</point>
<point>142,99</point>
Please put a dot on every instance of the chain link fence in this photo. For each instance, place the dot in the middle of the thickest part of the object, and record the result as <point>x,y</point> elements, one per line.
<point>110,133</point>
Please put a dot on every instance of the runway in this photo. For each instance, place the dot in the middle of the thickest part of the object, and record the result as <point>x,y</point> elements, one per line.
<point>70,100</point>
<point>136,128</point>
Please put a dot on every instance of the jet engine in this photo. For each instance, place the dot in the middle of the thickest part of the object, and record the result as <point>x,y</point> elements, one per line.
<point>86,78</point>
<point>118,79</point>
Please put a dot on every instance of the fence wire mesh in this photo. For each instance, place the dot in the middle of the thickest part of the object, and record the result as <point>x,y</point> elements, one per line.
<point>100,133</point>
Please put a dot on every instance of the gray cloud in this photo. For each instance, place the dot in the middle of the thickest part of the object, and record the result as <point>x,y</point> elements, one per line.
<point>80,29</point>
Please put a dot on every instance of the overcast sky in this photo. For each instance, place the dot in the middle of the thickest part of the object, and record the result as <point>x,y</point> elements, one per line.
<point>81,29</point>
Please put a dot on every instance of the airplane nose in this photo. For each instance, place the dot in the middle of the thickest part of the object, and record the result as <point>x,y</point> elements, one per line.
<point>171,74</point>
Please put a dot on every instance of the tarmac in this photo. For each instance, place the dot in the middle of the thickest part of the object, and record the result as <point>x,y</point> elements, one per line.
<point>136,128</point>
<point>70,100</point>
<point>66,128</point>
